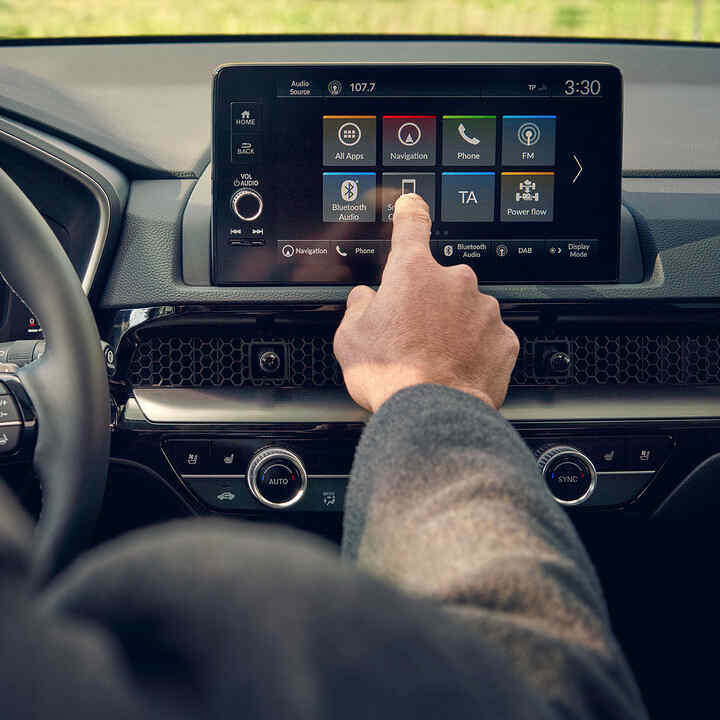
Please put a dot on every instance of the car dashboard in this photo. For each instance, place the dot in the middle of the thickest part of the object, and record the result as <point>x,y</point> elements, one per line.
<point>219,345</point>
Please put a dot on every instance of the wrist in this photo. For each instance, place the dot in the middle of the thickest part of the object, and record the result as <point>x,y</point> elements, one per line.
<point>380,399</point>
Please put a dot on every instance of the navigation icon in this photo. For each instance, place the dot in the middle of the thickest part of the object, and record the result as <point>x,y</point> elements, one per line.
<point>288,251</point>
<point>409,134</point>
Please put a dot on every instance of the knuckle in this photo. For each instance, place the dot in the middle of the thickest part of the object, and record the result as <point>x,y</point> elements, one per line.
<point>491,305</point>
<point>464,274</point>
<point>358,293</point>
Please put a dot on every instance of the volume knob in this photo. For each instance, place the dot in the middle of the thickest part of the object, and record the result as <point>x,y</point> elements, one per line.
<point>568,473</point>
<point>247,204</point>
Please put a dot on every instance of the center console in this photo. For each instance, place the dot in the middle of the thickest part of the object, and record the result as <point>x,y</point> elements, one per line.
<point>519,165</point>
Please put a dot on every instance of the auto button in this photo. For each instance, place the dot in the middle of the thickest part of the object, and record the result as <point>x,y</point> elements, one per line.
<point>277,478</point>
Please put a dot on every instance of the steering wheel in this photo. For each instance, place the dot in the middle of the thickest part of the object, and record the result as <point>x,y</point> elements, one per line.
<point>61,401</point>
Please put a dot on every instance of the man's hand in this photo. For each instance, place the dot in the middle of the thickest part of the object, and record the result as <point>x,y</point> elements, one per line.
<point>425,324</point>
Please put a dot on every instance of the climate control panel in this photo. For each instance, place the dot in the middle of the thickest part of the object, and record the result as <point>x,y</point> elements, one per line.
<point>258,475</point>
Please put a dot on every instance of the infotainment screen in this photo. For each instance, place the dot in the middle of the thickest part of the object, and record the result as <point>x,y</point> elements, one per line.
<point>519,165</point>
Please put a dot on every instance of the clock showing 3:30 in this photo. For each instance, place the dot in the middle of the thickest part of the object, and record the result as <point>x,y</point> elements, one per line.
<point>583,88</point>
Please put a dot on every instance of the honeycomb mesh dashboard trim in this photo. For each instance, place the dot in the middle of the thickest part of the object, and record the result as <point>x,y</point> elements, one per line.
<point>192,360</point>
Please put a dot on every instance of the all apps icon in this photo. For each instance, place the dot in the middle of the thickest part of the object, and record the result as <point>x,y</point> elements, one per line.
<point>349,140</point>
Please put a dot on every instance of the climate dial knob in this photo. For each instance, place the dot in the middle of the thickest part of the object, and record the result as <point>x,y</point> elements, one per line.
<point>277,478</point>
<point>247,204</point>
<point>568,473</point>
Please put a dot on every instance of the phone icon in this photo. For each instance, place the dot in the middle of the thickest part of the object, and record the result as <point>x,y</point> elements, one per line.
<point>467,138</point>
<point>408,185</point>
<point>340,252</point>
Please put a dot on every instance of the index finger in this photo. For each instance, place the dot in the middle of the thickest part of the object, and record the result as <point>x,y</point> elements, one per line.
<point>411,225</point>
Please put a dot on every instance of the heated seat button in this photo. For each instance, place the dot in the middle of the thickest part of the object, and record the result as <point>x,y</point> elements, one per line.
<point>648,453</point>
<point>189,457</point>
<point>606,453</point>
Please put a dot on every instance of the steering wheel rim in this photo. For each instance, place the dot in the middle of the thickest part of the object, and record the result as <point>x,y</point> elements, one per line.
<point>68,385</point>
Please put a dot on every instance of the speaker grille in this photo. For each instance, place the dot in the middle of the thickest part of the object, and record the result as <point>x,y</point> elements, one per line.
<point>196,361</point>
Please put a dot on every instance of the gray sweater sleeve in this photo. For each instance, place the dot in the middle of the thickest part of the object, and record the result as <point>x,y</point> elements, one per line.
<point>446,501</point>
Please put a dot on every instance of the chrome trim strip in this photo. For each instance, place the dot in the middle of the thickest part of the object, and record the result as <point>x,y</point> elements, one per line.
<point>613,473</point>
<point>213,477</point>
<point>245,405</point>
<point>230,406</point>
<point>11,423</point>
<point>339,476</point>
<point>92,185</point>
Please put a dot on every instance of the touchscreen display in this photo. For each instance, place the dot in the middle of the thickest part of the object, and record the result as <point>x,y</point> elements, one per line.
<point>519,165</point>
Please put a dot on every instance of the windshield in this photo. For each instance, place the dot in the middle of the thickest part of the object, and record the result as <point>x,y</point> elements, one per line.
<point>682,20</point>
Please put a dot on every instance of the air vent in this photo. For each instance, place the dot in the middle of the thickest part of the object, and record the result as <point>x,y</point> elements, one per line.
<point>196,361</point>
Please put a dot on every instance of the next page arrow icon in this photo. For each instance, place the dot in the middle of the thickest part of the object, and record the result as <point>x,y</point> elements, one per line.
<point>580,169</point>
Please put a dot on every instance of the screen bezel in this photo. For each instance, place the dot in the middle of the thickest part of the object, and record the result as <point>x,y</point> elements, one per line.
<point>610,250</point>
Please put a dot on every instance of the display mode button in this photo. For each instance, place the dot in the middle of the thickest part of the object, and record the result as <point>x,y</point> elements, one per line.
<point>571,250</point>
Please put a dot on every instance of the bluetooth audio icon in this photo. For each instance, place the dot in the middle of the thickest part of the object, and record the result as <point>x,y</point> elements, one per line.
<point>349,190</point>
